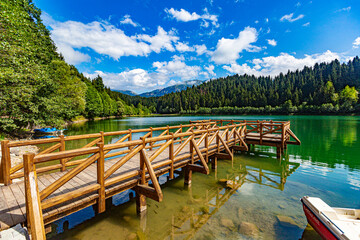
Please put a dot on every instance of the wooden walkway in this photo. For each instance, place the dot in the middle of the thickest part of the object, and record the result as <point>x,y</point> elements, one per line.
<point>68,184</point>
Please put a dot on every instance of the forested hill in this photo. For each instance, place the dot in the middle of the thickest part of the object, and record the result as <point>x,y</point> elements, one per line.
<point>323,88</point>
<point>37,87</point>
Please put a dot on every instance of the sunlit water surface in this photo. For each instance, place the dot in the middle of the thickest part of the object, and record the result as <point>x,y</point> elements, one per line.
<point>264,189</point>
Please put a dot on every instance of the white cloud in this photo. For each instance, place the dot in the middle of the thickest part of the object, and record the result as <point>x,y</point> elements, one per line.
<point>210,69</point>
<point>201,49</point>
<point>183,47</point>
<point>184,16</point>
<point>72,56</point>
<point>346,9</point>
<point>266,20</point>
<point>228,50</point>
<point>289,17</point>
<point>356,43</point>
<point>127,20</point>
<point>306,24</point>
<point>284,62</point>
<point>176,68</point>
<point>163,73</point>
<point>106,39</point>
<point>271,42</point>
<point>257,21</point>
<point>162,40</point>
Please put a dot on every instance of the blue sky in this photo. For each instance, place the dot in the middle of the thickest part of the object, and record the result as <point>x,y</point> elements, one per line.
<point>142,45</point>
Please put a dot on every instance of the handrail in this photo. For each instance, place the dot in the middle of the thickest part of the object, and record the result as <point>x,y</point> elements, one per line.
<point>8,172</point>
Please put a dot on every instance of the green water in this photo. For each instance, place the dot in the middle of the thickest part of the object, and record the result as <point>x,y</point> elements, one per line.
<point>326,165</point>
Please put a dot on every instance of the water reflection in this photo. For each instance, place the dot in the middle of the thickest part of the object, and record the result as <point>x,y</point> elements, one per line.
<point>185,211</point>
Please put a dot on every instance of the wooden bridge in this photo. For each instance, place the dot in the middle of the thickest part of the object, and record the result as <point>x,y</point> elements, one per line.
<point>57,182</point>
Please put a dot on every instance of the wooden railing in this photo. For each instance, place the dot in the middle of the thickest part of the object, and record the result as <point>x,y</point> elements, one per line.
<point>265,130</point>
<point>200,138</point>
<point>58,144</point>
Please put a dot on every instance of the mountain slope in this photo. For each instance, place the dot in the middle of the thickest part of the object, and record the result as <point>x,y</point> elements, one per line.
<point>171,89</point>
<point>127,92</point>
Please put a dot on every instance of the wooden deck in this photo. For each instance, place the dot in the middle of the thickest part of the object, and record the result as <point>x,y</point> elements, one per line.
<point>12,197</point>
<point>39,194</point>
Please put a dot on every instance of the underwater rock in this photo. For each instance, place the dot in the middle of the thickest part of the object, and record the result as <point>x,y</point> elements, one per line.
<point>295,198</point>
<point>185,209</point>
<point>227,223</point>
<point>281,206</point>
<point>127,218</point>
<point>286,221</point>
<point>249,229</point>
<point>132,236</point>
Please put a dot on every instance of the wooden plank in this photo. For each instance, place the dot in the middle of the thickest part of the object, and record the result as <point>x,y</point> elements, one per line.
<point>6,219</point>
<point>19,197</point>
<point>13,206</point>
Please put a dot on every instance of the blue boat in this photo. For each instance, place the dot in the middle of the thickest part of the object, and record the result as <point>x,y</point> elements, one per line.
<point>48,130</point>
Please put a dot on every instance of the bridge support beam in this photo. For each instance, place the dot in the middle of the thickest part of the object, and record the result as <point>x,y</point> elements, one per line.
<point>187,175</point>
<point>214,163</point>
<point>140,203</point>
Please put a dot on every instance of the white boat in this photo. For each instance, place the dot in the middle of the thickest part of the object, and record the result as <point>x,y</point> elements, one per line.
<point>332,223</point>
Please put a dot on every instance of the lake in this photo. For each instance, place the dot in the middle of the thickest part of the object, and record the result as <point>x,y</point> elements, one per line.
<point>326,165</point>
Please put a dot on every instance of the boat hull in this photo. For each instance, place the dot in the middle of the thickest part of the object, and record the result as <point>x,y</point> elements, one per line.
<point>318,224</point>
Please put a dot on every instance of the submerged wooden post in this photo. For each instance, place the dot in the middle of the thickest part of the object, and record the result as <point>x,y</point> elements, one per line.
<point>61,149</point>
<point>34,214</point>
<point>101,203</point>
<point>5,162</point>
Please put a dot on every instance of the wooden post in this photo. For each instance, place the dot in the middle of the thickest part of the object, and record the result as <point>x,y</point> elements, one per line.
<point>61,149</point>
<point>171,156</point>
<point>187,176</point>
<point>130,138</point>
<point>282,135</point>
<point>102,137</point>
<point>207,146</point>
<point>181,130</point>
<point>140,203</point>
<point>101,204</point>
<point>214,160</point>
<point>5,162</point>
<point>261,132</point>
<point>140,198</point>
<point>34,214</point>
<point>227,136</point>
<point>192,148</point>
<point>151,135</point>
<point>188,172</point>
